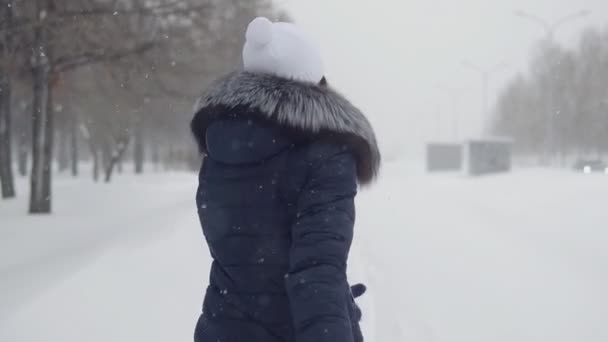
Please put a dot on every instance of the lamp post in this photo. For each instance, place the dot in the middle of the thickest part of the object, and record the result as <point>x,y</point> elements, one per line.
<point>485,74</point>
<point>551,28</point>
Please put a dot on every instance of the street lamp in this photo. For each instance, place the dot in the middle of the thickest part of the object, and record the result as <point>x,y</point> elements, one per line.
<point>551,28</point>
<point>485,73</point>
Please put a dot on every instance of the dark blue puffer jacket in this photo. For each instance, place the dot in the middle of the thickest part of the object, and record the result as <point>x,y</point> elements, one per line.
<point>276,203</point>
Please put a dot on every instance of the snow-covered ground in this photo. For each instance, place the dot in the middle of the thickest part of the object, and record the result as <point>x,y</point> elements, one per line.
<point>518,257</point>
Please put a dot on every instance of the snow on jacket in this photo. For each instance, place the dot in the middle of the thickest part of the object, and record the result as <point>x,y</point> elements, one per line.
<point>283,161</point>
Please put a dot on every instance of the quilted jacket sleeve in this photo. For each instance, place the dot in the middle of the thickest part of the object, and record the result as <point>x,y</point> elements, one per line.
<point>322,233</point>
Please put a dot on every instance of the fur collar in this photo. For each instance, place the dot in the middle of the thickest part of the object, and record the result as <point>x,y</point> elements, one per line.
<point>308,108</point>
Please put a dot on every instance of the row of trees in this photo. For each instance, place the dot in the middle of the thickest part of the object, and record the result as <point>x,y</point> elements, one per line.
<point>560,108</point>
<point>97,79</point>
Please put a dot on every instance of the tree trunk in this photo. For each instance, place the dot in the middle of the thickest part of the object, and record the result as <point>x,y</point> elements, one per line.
<point>86,134</point>
<point>74,145</point>
<point>95,156</point>
<point>42,119</point>
<point>24,129</point>
<point>6,162</point>
<point>23,155</point>
<point>138,149</point>
<point>62,150</point>
<point>6,171</point>
<point>115,158</point>
<point>106,155</point>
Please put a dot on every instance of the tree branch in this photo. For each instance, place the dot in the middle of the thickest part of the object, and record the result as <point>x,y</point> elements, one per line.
<point>67,63</point>
<point>161,10</point>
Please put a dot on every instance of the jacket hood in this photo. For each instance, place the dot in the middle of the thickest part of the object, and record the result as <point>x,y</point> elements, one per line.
<point>306,108</point>
<point>243,141</point>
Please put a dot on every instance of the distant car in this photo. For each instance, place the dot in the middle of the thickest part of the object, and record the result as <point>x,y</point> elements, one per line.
<point>591,166</point>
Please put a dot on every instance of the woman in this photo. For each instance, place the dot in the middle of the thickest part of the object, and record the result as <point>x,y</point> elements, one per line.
<point>284,154</point>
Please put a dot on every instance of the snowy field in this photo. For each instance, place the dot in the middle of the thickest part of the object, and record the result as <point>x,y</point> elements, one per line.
<point>519,257</point>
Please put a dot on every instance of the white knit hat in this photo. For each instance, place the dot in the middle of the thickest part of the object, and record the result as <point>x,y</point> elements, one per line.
<point>282,49</point>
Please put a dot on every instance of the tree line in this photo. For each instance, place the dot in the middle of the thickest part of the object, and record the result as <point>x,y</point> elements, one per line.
<point>559,109</point>
<point>108,81</point>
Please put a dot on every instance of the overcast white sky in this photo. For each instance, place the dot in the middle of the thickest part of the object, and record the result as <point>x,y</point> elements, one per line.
<point>389,56</point>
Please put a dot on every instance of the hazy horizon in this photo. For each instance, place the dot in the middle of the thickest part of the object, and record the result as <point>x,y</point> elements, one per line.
<point>423,46</point>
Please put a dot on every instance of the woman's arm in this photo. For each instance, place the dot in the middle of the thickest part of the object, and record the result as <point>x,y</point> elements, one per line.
<point>321,237</point>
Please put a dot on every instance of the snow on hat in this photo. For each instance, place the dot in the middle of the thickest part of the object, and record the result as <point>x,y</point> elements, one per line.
<point>281,49</point>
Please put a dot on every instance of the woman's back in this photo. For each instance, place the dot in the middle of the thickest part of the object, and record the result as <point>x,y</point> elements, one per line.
<point>245,210</point>
<point>276,203</point>
<point>248,197</point>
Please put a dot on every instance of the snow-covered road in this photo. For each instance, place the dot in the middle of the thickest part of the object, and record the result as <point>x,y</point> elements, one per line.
<point>518,257</point>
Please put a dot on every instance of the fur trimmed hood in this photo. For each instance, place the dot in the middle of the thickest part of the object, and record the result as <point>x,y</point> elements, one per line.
<point>304,107</point>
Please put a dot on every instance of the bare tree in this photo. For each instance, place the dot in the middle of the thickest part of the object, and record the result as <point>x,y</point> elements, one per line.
<point>53,33</point>
<point>6,58</point>
<point>74,146</point>
<point>42,118</point>
<point>125,72</point>
<point>561,109</point>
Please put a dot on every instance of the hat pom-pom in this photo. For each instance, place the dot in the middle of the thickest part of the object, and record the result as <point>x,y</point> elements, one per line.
<point>259,32</point>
